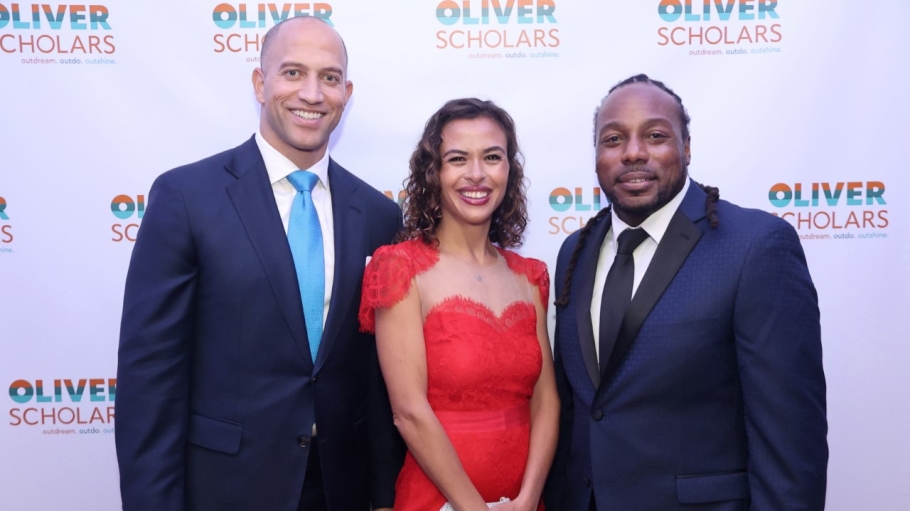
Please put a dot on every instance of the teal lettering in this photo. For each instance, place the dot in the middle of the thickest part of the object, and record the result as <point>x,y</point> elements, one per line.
<point>560,199</point>
<point>854,190</point>
<point>832,198</point>
<point>724,13</point>
<point>545,9</point>
<point>54,20</point>
<point>77,17</point>
<point>4,16</point>
<point>466,17</point>
<point>283,15</point>
<point>16,22</point>
<point>688,11</point>
<point>98,17</point>
<point>75,393</point>
<point>777,201</point>
<point>95,390</point>
<point>524,12</point>
<point>874,192</point>
<point>448,19</point>
<point>766,8</point>
<point>39,393</point>
<point>744,9</point>
<point>798,201</point>
<point>244,23</point>
<point>503,14</point>
<point>26,387</point>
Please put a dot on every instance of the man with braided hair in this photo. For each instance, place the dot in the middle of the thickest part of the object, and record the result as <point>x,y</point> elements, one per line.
<point>688,346</point>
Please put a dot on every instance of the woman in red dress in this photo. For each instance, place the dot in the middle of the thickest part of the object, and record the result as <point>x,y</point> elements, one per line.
<point>460,322</point>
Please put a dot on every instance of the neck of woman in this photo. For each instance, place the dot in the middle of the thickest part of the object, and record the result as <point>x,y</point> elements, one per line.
<point>468,243</point>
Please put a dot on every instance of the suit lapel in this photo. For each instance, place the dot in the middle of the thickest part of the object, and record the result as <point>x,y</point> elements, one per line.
<point>586,270</point>
<point>254,201</point>
<point>681,237</point>
<point>350,255</point>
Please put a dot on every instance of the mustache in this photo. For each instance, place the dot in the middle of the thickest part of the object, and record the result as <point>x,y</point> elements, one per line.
<point>636,169</point>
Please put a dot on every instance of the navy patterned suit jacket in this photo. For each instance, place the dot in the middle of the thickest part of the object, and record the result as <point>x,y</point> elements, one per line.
<point>714,394</point>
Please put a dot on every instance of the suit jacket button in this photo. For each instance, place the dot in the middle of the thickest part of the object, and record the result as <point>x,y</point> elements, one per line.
<point>303,440</point>
<point>587,481</point>
<point>597,415</point>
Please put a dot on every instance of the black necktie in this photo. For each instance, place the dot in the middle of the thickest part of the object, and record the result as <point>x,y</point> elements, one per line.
<point>617,292</point>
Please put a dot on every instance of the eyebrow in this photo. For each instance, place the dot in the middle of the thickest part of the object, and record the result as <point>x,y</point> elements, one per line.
<point>647,122</point>
<point>332,69</point>
<point>463,152</point>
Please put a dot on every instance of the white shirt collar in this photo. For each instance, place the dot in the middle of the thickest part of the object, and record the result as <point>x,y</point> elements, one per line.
<point>279,166</point>
<point>656,224</point>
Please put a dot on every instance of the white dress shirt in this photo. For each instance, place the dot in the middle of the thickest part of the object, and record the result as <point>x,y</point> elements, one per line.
<point>656,226</point>
<point>278,168</point>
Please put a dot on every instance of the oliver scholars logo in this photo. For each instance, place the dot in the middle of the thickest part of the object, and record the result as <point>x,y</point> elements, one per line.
<point>573,208</point>
<point>720,27</point>
<point>64,406</point>
<point>128,211</point>
<point>842,210</point>
<point>57,34</point>
<point>498,28</point>
<point>242,27</point>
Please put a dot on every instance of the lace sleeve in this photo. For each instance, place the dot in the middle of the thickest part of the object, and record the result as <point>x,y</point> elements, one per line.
<point>387,278</point>
<point>540,277</point>
<point>534,270</point>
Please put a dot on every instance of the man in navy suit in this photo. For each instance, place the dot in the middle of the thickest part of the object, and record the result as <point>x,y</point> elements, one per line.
<point>221,405</point>
<point>704,388</point>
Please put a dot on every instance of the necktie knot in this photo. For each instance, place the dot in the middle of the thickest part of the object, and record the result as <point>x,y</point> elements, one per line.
<point>303,180</point>
<point>630,239</point>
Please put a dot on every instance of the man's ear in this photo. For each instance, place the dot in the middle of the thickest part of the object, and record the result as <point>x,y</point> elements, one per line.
<point>258,79</point>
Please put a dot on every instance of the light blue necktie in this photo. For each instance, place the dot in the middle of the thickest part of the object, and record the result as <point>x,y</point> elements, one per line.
<point>305,238</point>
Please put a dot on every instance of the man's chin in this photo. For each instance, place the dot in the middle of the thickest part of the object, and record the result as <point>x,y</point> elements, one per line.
<point>637,206</point>
<point>309,145</point>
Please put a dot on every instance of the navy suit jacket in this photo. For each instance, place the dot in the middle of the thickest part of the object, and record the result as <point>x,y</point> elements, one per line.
<point>713,397</point>
<point>217,391</point>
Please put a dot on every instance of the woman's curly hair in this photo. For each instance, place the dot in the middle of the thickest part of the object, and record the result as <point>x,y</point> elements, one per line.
<point>423,201</point>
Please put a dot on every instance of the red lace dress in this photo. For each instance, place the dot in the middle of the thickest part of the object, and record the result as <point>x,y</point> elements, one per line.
<point>483,359</point>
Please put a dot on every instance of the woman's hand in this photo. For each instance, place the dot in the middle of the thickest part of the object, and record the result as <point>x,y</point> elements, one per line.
<point>521,503</point>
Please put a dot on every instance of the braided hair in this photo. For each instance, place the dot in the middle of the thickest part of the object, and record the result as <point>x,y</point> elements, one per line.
<point>713,193</point>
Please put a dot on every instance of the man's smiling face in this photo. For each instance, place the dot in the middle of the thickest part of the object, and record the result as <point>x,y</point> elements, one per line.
<point>302,88</point>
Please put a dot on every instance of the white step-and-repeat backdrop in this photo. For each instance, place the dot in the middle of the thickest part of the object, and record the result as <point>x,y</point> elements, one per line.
<point>799,107</point>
